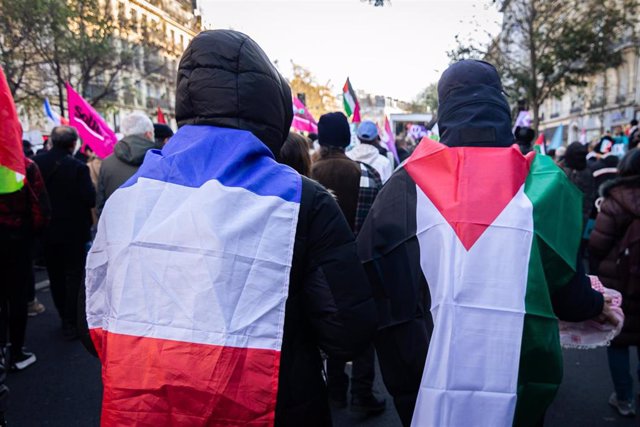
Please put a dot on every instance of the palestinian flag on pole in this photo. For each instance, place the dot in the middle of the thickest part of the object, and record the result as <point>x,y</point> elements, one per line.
<point>488,234</point>
<point>540,145</point>
<point>12,164</point>
<point>350,101</point>
<point>187,281</point>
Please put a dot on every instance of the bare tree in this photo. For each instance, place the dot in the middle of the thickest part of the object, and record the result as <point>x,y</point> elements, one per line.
<point>547,47</point>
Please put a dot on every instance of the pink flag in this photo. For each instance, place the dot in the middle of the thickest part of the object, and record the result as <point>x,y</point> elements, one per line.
<point>302,118</point>
<point>92,128</point>
<point>523,120</point>
<point>389,138</point>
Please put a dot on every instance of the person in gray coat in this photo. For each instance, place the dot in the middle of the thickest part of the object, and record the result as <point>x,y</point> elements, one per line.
<point>127,156</point>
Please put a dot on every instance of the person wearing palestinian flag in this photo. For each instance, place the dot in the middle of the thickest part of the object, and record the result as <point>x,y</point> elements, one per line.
<point>217,273</point>
<point>471,249</point>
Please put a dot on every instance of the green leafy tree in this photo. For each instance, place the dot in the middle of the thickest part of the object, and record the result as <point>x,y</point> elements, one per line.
<point>19,22</point>
<point>546,47</point>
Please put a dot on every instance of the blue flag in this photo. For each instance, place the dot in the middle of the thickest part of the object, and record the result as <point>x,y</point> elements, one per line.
<point>556,141</point>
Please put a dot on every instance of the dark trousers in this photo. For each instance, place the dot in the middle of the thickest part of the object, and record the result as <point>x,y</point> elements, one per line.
<point>362,374</point>
<point>31,279</point>
<point>619,366</point>
<point>15,262</point>
<point>65,266</point>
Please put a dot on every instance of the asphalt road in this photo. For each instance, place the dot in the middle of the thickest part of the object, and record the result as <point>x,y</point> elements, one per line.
<point>63,388</point>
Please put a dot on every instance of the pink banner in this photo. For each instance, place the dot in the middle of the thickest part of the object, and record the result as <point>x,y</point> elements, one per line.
<point>302,118</point>
<point>390,138</point>
<point>91,127</point>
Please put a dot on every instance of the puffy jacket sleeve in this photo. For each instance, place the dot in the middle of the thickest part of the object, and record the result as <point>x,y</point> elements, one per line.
<point>390,252</point>
<point>604,235</point>
<point>337,294</point>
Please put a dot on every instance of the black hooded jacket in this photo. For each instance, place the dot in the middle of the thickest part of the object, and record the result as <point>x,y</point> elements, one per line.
<point>226,80</point>
<point>472,112</point>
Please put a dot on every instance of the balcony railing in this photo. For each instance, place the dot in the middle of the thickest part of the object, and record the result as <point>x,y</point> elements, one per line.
<point>153,102</point>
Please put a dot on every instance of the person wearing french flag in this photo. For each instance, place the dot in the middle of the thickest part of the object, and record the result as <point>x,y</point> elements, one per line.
<point>216,272</point>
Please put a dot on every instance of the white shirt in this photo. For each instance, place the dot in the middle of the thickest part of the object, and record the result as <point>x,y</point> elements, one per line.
<point>367,153</point>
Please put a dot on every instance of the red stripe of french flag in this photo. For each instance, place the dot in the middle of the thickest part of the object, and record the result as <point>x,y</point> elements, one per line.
<point>184,383</point>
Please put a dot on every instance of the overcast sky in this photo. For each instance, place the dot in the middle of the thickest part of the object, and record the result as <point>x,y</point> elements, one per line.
<point>393,50</point>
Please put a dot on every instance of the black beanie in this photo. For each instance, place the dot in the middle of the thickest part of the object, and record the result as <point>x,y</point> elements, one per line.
<point>333,130</point>
<point>162,131</point>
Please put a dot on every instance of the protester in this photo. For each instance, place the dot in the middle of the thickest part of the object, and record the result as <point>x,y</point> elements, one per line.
<point>127,156</point>
<point>402,146</point>
<point>295,153</point>
<point>23,214</point>
<point>369,151</point>
<point>355,186</point>
<point>72,196</point>
<point>524,137</point>
<point>604,168</point>
<point>27,148</point>
<point>614,250</point>
<point>161,133</point>
<point>454,247</point>
<point>94,163</point>
<point>235,265</point>
<point>574,166</point>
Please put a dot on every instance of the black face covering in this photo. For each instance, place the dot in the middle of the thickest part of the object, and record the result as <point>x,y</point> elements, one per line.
<point>472,110</point>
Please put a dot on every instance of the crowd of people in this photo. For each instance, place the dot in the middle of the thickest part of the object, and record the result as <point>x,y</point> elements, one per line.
<point>358,242</point>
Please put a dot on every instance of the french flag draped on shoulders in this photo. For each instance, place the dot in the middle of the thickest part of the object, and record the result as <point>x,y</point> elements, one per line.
<point>187,281</point>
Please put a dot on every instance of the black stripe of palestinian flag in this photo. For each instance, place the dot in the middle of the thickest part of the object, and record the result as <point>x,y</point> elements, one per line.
<point>486,221</point>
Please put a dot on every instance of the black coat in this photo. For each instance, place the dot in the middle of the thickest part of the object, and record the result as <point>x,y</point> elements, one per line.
<point>226,80</point>
<point>330,306</point>
<point>71,193</point>
<point>389,248</point>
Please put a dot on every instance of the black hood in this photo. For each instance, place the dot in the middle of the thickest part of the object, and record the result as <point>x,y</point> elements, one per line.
<point>225,79</point>
<point>472,108</point>
<point>576,156</point>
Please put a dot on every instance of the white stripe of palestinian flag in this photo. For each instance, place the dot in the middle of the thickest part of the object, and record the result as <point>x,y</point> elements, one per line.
<point>348,99</point>
<point>478,308</point>
<point>492,249</point>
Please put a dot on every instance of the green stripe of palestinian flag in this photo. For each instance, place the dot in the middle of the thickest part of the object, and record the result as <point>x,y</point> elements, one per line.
<point>10,181</point>
<point>349,98</point>
<point>551,265</point>
<point>491,254</point>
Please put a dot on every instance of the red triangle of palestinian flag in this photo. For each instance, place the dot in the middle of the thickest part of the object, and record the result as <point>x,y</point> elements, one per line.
<point>453,177</point>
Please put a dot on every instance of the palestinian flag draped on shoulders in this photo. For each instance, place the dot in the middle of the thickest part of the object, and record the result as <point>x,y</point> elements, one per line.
<point>467,230</point>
